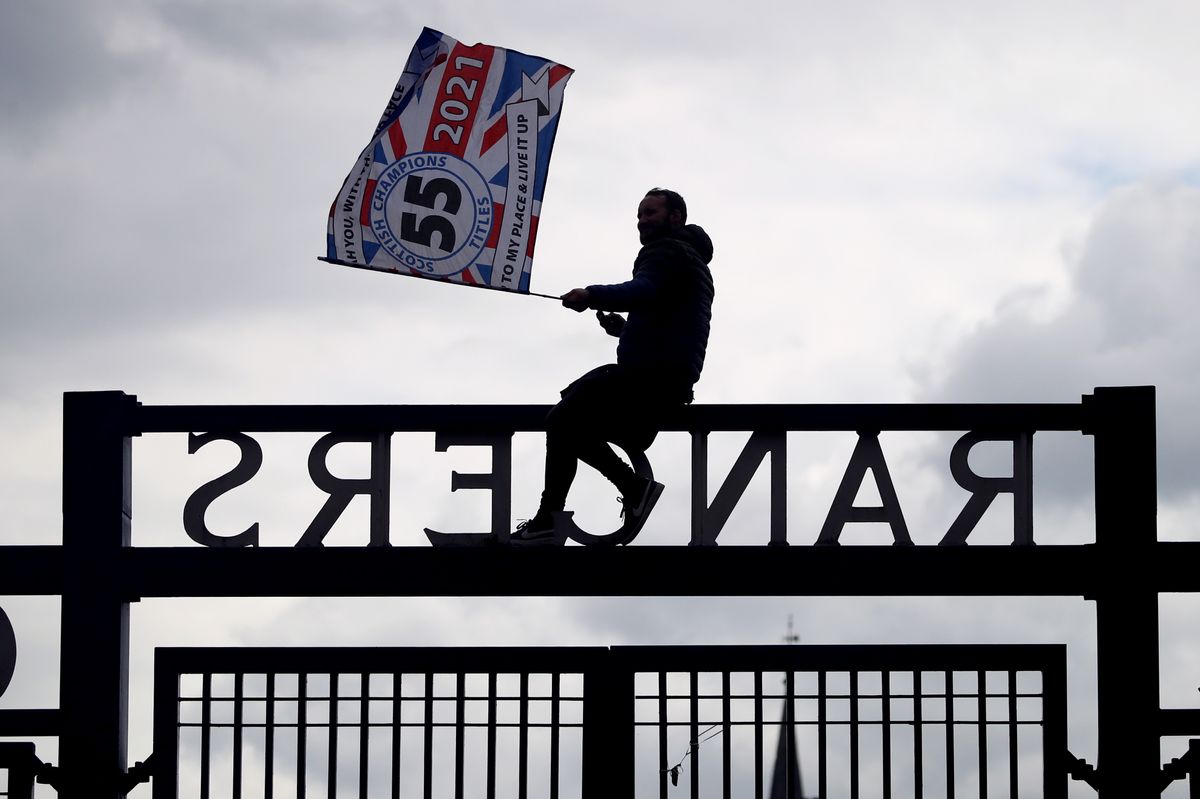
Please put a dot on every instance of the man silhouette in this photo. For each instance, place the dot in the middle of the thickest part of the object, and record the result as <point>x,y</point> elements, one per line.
<point>660,355</point>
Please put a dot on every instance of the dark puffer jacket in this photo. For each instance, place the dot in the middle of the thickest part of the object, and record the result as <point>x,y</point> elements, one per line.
<point>669,301</point>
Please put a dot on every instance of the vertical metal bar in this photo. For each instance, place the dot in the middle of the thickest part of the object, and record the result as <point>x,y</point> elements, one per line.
<point>608,726</point>
<point>491,737</point>
<point>397,727</point>
<point>555,699</point>
<point>886,724</point>
<point>205,735</point>
<point>460,738</point>
<point>269,741</point>
<point>18,760</point>
<point>301,736</point>
<point>94,618</point>
<point>364,735</point>
<point>1013,759</point>
<point>918,738</point>
<point>758,736</point>
<point>1194,770</point>
<point>983,747</point>
<point>853,735</point>
<point>726,752</point>
<point>428,776</point>
<point>699,485</point>
<point>523,740</point>
<point>663,742</point>
<point>822,733</point>
<point>331,785</point>
<point>1054,729</point>
<point>1122,423</point>
<point>166,728</point>
<point>949,735</point>
<point>694,733</point>
<point>238,717</point>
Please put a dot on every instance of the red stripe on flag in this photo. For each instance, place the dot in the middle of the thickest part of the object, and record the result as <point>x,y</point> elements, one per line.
<point>396,139</point>
<point>558,72</point>
<point>494,134</point>
<point>364,214</point>
<point>466,277</point>
<point>494,234</point>
<point>458,97</point>
<point>533,223</point>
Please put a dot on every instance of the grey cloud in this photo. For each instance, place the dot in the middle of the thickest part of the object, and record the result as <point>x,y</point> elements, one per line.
<point>261,30</point>
<point>1130,320</point>
<point>54,63</point>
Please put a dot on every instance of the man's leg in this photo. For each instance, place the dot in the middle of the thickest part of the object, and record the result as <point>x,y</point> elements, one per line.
<point>564,434</point>
<point>596,409</point>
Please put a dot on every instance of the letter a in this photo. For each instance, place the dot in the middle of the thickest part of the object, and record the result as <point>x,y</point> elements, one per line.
<point>867,455</point>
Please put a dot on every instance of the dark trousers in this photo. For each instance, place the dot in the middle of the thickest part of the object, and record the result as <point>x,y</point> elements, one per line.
<point>608,404</point>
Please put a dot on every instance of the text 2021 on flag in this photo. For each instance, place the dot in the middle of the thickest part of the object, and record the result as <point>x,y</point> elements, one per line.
<point>451,185</point>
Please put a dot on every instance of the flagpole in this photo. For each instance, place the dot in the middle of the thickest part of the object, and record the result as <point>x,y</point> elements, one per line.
<point>451,282</point>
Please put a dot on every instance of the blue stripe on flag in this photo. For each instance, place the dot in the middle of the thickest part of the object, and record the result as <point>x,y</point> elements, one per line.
<point>369,250</point>
<point>379,157</point>
<point>545,143</point>
<point>510,82</point>
<point>330,247</point>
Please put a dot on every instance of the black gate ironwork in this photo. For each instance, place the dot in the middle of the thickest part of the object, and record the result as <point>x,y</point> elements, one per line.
<point>97,571</point>
<point>871,721</point>
<point>18,768</point>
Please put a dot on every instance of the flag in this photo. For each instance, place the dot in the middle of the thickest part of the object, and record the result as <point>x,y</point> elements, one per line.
<point>450,186</point>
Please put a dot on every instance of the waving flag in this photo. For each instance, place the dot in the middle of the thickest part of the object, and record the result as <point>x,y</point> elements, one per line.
<point>451,185</point>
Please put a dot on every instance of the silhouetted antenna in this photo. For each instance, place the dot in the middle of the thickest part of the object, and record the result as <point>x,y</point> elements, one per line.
<point>791,637</point>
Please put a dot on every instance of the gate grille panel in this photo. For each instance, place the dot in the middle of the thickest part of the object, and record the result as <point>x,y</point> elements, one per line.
<point>580,723</point>
<point>863,721</point>
<point>313,723</point>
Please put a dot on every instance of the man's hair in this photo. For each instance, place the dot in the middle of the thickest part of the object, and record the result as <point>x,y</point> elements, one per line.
<point>674,200</point>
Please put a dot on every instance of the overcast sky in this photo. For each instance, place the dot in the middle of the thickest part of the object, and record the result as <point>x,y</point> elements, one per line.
<point>910,202</point>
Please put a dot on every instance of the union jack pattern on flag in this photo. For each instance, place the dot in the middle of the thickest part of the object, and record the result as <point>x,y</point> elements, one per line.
<point>451,185</point>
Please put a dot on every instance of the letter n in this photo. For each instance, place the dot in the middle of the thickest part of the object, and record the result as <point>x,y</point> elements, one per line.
<point>985,489</point>
<point>342,490</point>
<point>868,455</point>
<point>708,521</point>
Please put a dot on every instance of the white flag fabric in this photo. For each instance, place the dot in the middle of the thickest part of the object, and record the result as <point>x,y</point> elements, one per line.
<point>450,186</point>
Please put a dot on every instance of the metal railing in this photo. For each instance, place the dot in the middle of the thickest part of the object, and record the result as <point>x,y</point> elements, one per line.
<point>870,721</point>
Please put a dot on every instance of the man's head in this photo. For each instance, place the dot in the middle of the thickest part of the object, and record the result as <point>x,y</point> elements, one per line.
<point>660,212</point>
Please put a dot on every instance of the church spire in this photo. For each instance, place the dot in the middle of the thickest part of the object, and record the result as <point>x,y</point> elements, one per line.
<point>785,777</point>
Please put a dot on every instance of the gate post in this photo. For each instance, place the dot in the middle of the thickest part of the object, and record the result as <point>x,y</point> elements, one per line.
<point>608,733</point>
<point>94,678</point>
<point>1129,757</point>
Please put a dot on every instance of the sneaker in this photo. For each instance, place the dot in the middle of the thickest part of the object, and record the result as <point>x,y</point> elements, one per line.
<point>538,530</point>
<point>637,506</point>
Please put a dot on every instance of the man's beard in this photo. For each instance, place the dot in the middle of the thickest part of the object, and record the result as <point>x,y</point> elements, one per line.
<point>655,233</point>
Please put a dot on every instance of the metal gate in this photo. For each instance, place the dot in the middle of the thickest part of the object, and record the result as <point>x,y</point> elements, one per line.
<point>870,721</point>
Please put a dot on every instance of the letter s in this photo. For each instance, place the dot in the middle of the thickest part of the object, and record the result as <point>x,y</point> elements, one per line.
<point>197,504</point>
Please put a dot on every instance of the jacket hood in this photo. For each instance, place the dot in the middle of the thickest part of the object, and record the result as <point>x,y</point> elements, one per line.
<point>695,237</point>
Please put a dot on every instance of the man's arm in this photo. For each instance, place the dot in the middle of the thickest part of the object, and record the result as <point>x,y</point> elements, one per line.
<point>642,291</point>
